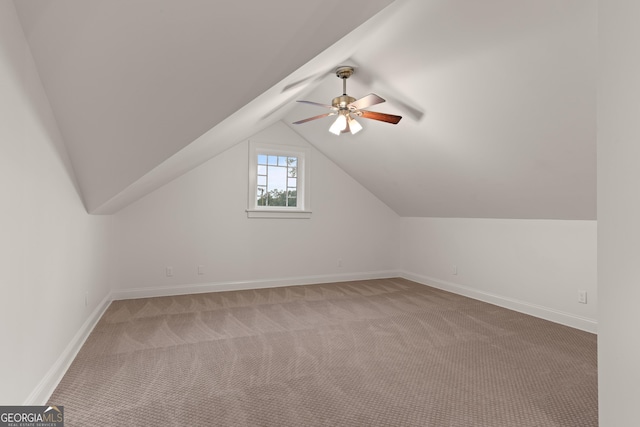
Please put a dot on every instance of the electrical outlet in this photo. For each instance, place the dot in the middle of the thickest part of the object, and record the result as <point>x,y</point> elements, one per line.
<point>168,271</point>
<point>454,269</point>
<point>86,299</point>
<point>200,270</point>
<point>582,297</point>
<point>339,262</point>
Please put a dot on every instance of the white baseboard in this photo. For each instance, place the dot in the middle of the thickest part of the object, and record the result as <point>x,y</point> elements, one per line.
<point>563,318</point>
<point>49,382</point>
<point>161,291</point>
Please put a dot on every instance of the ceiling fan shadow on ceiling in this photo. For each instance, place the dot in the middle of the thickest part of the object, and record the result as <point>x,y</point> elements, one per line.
<point>346,107</point>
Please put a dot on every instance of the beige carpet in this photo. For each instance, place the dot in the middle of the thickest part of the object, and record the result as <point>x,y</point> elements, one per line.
<point>370,353</point>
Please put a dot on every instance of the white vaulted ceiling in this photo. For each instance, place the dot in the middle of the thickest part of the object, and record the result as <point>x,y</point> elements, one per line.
<point>499,106</point>
<point>132,82</point>
<point>498,97</point>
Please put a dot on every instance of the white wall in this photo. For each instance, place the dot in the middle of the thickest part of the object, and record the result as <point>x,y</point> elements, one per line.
<point>619,213</point>
<point>533,266</point>
<point>51,251</point>
<point>200,219</point>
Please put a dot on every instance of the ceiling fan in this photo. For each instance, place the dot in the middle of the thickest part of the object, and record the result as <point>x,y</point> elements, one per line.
<point>346,107</point>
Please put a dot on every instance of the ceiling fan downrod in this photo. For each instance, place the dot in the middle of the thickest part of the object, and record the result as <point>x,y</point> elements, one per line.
<point>342,102</point>
<point>344,73</point>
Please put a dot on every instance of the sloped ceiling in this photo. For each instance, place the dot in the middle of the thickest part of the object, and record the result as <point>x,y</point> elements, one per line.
<point>132,82</point>
<point>499,106</point>
<point>498,97</point>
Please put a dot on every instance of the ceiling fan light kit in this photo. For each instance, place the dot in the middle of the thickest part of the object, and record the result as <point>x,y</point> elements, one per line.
<point>346,107</point>
<point>339,125</point>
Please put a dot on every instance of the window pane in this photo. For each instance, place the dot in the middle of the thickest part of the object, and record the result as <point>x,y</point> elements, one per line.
<point>262,170</point>
<point>262,159</point>
<point>282,161</point>
<point>293,172</point>
<point>262,180</point>
<point>261,196</point>
<point>292,161</point>
<point>273,160</point>
<point>277,198</point>
<point>292,182</point>
<point>277,178</point>
<point>292,202</point>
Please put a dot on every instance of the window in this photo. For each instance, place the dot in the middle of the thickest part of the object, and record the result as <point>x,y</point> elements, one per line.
<point>278,181</point>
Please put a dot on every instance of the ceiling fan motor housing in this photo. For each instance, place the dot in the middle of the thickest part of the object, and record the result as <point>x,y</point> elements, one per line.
<point>341,102</point>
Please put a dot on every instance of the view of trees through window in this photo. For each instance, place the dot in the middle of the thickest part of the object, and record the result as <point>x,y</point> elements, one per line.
<point>277,180</point>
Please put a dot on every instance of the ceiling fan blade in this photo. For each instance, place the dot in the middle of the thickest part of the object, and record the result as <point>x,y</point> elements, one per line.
<point>365,102</point>
<point>377,82</point>
<point>389,118</point>
<point>319,104</point>
<point>306,81</point>
<point>309,79</point>
<point>299,83</point>
<point>314,118</point>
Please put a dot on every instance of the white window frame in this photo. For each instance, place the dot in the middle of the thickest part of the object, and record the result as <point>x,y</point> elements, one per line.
<point>303,208</point>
